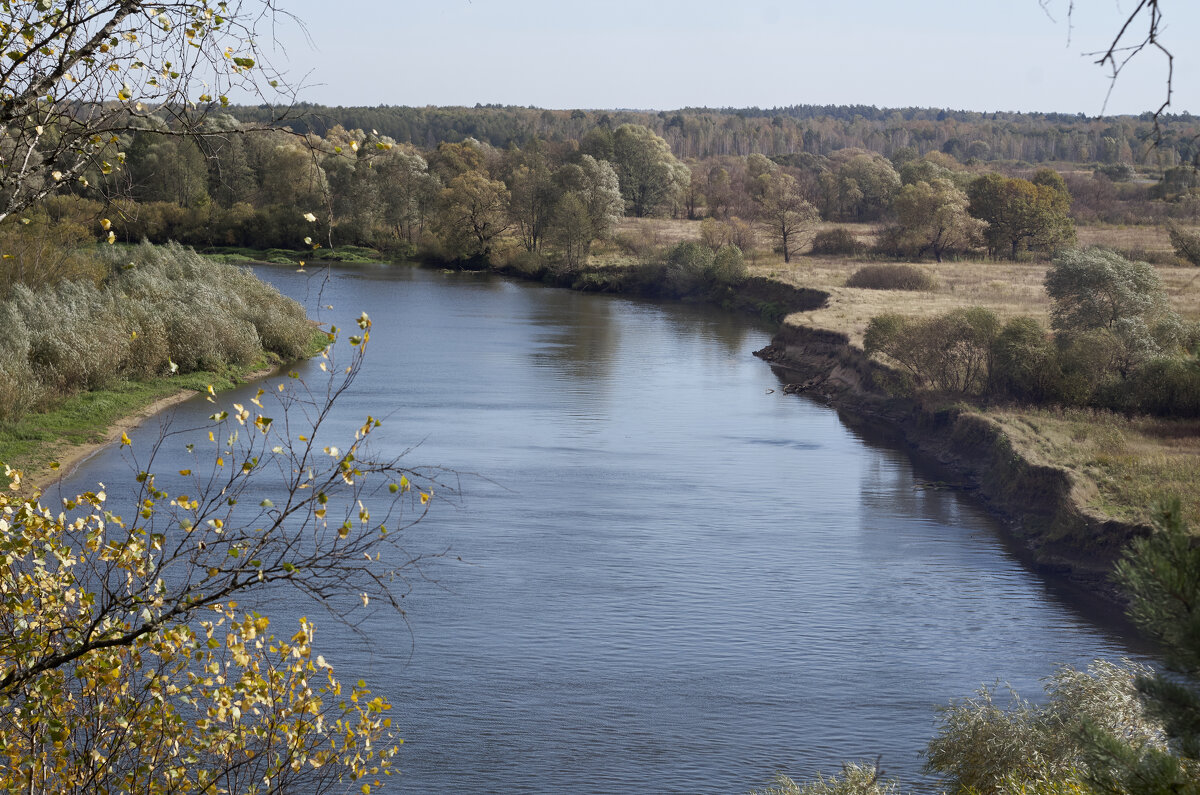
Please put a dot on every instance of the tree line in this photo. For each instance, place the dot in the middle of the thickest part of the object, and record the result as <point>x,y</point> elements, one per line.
<point>715,132</point>
<point>458,201</point>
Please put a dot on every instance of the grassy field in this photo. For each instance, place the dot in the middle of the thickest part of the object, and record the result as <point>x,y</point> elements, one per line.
<point>1132,462</point>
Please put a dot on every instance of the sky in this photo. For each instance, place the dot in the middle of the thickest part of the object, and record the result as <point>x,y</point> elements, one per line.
<point>984,55</point>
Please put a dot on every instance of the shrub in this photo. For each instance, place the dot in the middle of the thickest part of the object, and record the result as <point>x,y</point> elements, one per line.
<point>1168,386</point>
<point>728,265</point>
<point>949,352</point>
<point>44,252</point>
<point>837,242</point>
<point>1090,361</point>
<point>158,304</point>
<point>689,269</point>
<point>892,277</point>
<point>1186,244</point>
<point>1024,363</point>
<point>856,779</point>
<point>985,747</point>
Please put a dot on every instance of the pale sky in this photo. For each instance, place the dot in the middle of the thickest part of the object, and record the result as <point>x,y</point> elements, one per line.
<point>981,55</point>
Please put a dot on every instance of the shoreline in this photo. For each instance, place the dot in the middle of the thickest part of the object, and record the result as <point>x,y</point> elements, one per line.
<point>71,455</point>
<point>1042,506</point>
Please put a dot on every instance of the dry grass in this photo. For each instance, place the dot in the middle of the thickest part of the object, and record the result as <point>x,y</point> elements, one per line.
<point>659,231</point>
<point>1133,463</point>
<point>1126,238</point>
<point>1009,289</point>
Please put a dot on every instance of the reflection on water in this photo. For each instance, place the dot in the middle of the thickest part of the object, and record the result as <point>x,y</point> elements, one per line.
<point>675,578</point>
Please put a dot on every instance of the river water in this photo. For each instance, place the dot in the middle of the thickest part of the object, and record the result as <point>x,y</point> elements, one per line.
<point>674,578</point>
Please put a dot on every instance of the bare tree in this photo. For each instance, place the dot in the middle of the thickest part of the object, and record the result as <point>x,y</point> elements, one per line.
<point>76,74</point>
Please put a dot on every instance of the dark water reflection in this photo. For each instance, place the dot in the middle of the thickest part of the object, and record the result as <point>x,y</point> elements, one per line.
<point>676,578</point>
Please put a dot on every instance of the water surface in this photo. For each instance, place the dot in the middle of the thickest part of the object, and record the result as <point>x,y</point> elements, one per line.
<point>675,578</point>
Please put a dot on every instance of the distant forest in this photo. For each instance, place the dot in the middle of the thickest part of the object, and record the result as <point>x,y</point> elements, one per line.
<point>699,133</point>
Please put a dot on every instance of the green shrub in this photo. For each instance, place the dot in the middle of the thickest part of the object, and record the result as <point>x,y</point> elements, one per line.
<point>728,265</point>
<point>1168,386</point>
<point>892,276</point>
<point>1024,363</point>
<point>1091,361</point>
<point>688,269</point>
<point>949,352</point>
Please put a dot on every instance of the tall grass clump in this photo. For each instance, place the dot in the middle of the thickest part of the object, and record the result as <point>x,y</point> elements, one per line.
<point>892,277</point>
<point>156,307</point>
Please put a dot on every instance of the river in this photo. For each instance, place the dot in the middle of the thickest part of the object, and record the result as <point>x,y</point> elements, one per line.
<point>674,578</point>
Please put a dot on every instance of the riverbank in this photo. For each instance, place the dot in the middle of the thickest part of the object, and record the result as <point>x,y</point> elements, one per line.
<point>1046,506</point>
<point>48,446</point>
<point>1048,502</point>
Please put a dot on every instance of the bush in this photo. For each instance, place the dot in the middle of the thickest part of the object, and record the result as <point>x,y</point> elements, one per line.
<point>856,779</point>
<point>44,251</point>
<point>1167,386</point>
<point>1024,363</point>
<point>949,352</point>
<point>837,242</point>
<point>1090,361</point>
<point>728,266</point>
<point>157,305</point>
<point>1186,244</point>
<point>984,747</point>
<point>892,277</point>
<point>692,269</point>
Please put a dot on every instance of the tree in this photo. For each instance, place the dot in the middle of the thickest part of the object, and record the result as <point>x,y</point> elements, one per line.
<point>474,212</point>
<point>1020,213</point>
<point>932,217</point>
<point>532,201</point>
<point>572,229</point>
<point>1098,292</point>
<point>77,75</point>
<point>1161,574</point>
<point>125,661</point>
<point>651,178</point>
<point>860,187</point>
<point>407,191</point>
<point>1098,288</point>
<point>593,185</point>
<point>787,217</point>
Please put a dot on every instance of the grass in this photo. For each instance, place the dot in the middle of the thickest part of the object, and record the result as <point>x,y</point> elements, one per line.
<point>283,256</point>
<point>37,439</point>
<point>1134,463</point>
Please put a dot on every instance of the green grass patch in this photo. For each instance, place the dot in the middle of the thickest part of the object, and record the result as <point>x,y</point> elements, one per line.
<point>285,256</point>
<point>34,441</point>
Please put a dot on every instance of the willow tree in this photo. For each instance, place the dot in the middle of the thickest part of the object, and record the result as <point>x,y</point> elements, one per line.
<point>652,180</point>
